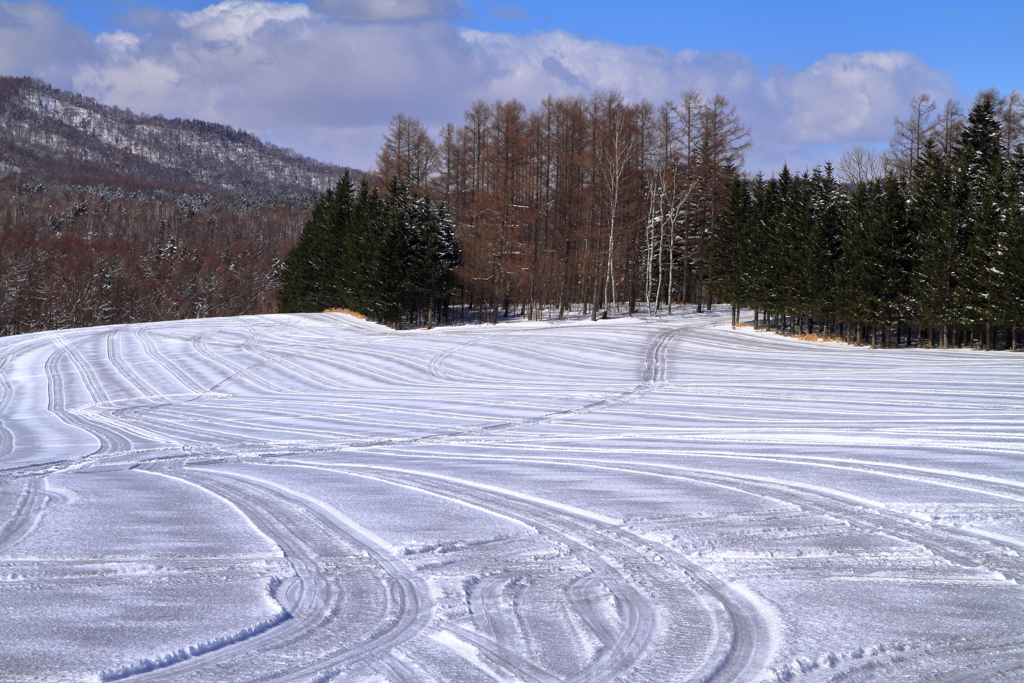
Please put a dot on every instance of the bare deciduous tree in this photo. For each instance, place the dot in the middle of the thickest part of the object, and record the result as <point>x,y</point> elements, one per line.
<point>908,141</point>
<point>861,165</point>
<point>408,155</point>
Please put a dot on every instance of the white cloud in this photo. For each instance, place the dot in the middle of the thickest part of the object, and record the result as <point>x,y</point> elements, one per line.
<point>118,43</point>
<point>847,96</point>
<point>322,76</point>
<point>236,21</point>
<point>389,10</point>
<point>798,118</point>
<point>35,40</point>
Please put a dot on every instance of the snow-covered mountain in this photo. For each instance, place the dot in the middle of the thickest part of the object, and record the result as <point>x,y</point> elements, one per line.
<point>52,135</point>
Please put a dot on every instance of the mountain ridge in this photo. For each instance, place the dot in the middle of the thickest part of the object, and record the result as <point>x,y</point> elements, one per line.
<point>52,135</point>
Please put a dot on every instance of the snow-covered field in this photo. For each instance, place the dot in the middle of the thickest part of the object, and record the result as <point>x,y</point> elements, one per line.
<point>314,498</point>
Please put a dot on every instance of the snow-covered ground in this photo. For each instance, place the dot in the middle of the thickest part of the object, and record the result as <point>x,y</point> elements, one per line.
<point>314,498</point>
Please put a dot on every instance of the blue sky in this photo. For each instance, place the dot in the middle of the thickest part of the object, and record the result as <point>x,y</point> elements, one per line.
<point>810,78</point>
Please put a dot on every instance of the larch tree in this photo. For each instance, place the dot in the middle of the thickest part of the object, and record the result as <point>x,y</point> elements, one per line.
<point>911,134</point>
<point>408,155</point>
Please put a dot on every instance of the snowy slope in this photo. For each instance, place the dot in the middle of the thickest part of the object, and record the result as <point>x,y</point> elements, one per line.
<point>314,498</point>
<point>51,135</point>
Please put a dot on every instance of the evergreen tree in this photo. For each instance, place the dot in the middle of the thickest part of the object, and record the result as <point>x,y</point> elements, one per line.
<point>310,275</point>
<point>761,276</point>
<point>380,256</point>
<point>934,216</point>
<point>1009,262</point>
<point>433,254</point>
<point>732,251</point>
<point>828,211</point>
<point>982,204</point>
<point>877,255</point>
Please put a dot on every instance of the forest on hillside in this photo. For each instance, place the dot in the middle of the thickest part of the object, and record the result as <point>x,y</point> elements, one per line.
<point>109,216</point>
<point>75,256</point>
<point>614,205</point>
<point>57,137</point>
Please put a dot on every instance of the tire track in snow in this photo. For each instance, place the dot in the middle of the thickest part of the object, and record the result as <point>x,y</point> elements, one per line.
<point>302,607</point>
<point>654,376</point>
<point>201,344</point>
<point>438,370</point>
<point>396,670</point>
<point>6,397</point>
<point>958,546</point>
<point>142,333</point>
<point>965,548</point>
<point>493,617</point>
<point>586,593</point>
<point>97,394</point>
<point>312,599</point>
<point>282,360</point>
<point>408,592</point>
<point>507,659</point>
<point>26,514</point>
<point>113,434</point>
<point>110,442</point>
<point>750,643</point>
<point>115,354</point>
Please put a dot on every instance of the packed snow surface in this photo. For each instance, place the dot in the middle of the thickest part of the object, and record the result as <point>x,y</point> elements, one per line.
<point>313,498</point>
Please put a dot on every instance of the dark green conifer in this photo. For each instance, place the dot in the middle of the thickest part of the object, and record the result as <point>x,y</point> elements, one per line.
<point>982,204</point>
<point>309,281</point>
<point>934,215</point>
<point>384,257</point>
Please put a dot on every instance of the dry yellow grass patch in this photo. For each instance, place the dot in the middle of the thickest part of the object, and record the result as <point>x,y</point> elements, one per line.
<point>801,337</point>
<point>818,338</point>
<point>354,314</point>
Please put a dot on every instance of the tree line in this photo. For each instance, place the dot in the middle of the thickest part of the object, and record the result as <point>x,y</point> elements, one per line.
<point>924,246</point>
<point>583,199</point>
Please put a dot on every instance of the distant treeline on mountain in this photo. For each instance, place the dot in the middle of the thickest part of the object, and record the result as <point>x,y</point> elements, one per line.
<point>76,256</point>
<point>60,137</point>
<point>107,216</point>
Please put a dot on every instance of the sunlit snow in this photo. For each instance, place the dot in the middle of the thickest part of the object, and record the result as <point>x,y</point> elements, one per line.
<point>314,498</point>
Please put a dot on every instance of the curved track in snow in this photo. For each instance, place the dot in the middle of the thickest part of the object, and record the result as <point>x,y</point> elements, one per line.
<point>318,634</point>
